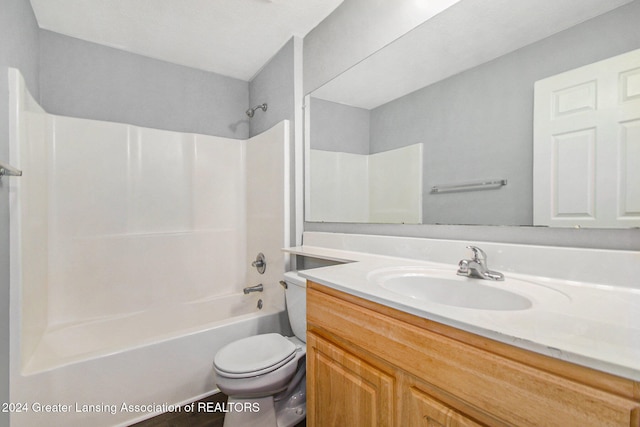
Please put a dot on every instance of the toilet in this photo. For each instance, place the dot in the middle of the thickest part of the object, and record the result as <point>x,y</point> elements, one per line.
<point>264,375</point>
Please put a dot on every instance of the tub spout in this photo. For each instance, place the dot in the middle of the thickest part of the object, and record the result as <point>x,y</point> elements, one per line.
<point>256,288</point>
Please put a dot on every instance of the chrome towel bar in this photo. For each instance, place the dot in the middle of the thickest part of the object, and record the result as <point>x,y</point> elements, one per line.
<point>469,186</point>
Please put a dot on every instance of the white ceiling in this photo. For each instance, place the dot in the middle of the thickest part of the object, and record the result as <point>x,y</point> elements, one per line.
<point>463,36</point>
<point>230,37</point>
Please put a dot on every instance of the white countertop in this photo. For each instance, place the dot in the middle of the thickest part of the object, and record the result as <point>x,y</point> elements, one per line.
<point>589,324</point>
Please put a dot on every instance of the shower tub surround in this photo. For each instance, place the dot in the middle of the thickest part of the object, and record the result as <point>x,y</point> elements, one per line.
<point>130,248</point>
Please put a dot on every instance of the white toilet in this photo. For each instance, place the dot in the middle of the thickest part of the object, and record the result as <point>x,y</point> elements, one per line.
<point>264,375</point>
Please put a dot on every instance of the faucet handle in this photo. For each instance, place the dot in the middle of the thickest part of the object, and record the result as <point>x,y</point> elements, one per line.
<point>463,268</point>
<point>260,263</point>
<point>478,254</point>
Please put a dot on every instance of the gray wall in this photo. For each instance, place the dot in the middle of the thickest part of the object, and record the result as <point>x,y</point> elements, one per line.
<point>338,127</point>
<point>273,84</point>
<point>87,80</point>
<point>464,97</point>
<point>484,116</point>
<point>18,49</point>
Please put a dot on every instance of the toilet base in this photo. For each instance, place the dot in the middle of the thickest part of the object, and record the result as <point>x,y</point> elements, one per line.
<point>292,409</point>
<point>283,411</point>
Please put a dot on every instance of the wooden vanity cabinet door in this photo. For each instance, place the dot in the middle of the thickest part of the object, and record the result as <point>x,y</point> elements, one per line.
<point>422,410</point>
<point>344,390</point>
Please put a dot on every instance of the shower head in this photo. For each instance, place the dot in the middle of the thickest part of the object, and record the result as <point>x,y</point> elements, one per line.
<point>251,111</point>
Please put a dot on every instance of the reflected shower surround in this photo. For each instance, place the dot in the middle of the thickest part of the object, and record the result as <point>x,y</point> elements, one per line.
<point>129,240</point>
<point>383,187</point>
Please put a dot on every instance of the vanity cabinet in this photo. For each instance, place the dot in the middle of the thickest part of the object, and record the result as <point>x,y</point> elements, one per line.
<point>371,365</point>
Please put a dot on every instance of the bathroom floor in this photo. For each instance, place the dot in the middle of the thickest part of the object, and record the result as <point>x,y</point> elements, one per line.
<point>195,418</point>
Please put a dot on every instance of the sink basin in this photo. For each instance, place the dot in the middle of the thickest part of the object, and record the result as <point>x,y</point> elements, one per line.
<point>446,288</point>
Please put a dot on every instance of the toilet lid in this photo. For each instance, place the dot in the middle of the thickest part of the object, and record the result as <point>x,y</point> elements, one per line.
<point>254,354</point>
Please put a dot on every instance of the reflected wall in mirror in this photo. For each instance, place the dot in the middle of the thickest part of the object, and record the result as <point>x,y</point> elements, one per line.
<point>462,85</point>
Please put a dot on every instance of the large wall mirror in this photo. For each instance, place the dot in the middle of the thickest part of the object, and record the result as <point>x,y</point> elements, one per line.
<point>438,126</point>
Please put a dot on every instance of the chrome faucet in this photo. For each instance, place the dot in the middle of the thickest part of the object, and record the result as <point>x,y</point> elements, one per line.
<point>477,266</point>
<point>256,288</point>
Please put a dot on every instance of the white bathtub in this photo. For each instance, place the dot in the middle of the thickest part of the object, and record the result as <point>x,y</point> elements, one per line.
<point>72,342</point>
<point>96,370</point>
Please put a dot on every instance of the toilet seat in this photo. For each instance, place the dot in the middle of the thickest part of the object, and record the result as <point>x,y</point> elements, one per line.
<point>255,355</point>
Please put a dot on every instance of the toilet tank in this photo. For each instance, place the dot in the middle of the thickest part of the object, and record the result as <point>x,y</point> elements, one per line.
<point>296,297</point>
